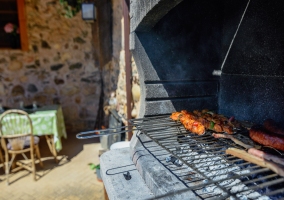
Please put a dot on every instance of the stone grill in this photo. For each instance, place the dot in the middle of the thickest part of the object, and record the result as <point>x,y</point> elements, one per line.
<point>177,164</point>
<point>201,164</point>
<point>221,55</point>
<point>178,45</point>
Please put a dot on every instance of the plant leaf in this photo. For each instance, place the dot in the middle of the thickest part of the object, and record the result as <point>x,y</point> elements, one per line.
<point>92,166</point>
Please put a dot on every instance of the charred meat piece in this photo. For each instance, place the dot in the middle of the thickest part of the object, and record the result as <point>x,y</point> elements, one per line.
<point>197,113</point>
<point>209,118</point>
<point>218,128</point>
<point>184,118</point>
<point>184,112</point>
<point>204,111</point>
<point>228,129</point>
<point>198,128</point>
<point>189,121</point>
<point>260,135</point>
<point>204,122</point>
<point>273,127</point>
<point>175,116</point>
<point>194,127</point>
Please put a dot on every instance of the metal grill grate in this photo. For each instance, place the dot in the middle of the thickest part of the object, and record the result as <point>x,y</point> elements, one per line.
<point>201,164</point>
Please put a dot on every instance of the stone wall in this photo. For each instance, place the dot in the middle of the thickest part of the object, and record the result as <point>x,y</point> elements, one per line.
<point>61,66</point>
<point>114,71</point>
<point>58,68</point>
<point>121,89</point>
<point>119,63</point>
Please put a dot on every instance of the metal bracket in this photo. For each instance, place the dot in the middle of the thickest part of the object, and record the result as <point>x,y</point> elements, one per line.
<point>127,176</point>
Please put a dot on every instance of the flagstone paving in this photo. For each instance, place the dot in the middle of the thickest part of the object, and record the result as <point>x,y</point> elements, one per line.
<point>69,179</point>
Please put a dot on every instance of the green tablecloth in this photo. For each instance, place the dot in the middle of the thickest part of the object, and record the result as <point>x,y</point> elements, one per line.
<point>48,120</point>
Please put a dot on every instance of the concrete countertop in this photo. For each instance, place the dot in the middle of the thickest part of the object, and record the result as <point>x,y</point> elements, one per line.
<point>114,164</point>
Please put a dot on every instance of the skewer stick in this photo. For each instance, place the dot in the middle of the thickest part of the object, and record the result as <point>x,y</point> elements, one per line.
<point>235,140</point>
<point>251,150</point>
<point>266,156</point>
<point>256,160</point>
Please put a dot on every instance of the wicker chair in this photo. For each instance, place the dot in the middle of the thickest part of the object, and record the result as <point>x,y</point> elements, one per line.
<point>16,134</point>
<point>1,156</point>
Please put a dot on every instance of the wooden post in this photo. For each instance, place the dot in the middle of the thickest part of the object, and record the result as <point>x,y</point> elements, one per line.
<point>105,194</point>
<point>128,70</point>
<point>23,25</point>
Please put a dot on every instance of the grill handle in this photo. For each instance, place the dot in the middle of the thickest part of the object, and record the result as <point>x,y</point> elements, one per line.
<point>103,132</point>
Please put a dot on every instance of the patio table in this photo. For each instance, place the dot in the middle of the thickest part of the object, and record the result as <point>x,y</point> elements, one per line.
<point>48,121</point>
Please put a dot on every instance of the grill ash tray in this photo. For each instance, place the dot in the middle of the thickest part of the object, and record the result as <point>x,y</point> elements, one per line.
<point>204,167</point>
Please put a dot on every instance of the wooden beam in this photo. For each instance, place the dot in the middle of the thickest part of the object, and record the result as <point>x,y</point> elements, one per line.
<point>128,71</point>
<point>23,24</point>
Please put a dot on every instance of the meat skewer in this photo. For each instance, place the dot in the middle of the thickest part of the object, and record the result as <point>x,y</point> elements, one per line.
<point>235,140</point>
<point>256,160</point>
<point>189,122</point>
<point>266,156</point>
<point>209,120</point>
<point>251,150</point>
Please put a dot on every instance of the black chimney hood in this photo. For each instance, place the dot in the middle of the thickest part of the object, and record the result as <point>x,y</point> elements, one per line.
<point>178,45</point>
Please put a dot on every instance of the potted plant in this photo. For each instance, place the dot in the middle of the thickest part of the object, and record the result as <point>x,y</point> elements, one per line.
<point>98,170</point>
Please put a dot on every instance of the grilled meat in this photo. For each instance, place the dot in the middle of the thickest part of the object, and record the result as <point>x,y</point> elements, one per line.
<point>262,136</point>
<point>190,123</point>
<point>273,127</point>
<point>208,120</point>
<point>228,129</point>
<point>175,116</point>
<point>218,128</point>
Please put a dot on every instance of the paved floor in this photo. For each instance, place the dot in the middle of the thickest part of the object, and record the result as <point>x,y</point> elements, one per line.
<point>69,179</point>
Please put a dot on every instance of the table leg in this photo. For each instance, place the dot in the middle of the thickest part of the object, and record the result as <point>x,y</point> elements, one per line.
<point>1,156</point>
<point>105,194</point>
<point>51,145</point>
